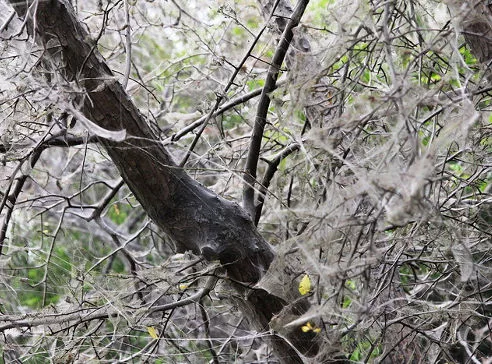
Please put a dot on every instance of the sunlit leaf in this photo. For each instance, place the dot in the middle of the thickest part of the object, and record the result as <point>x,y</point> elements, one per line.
<point>305,285</point>
<point>152,332</point>
<point>309,326</point>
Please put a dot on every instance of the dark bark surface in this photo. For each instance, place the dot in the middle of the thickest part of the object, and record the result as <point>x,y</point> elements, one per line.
<point>477,29</point>
<point>194,217</point>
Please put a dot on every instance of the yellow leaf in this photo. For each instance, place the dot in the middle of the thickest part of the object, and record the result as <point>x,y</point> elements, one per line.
<point>310,326</point>
<point>305,285</point>
<point>116,209</point>
<point>305,328</point>
<point>183,286</point>
<point>152,332</point>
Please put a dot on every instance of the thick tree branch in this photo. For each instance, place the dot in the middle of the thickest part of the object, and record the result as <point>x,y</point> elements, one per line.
<point>262,110</point>
<point>194,217</point>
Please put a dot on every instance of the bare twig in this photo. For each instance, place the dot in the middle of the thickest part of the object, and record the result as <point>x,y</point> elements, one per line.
<point>267,178</point>
<point>225,107</point>
<point>221,96</point>
<point>88,314</point>
<point>128,46</point>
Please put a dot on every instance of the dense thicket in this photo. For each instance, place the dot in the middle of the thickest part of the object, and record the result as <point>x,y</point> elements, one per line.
<point>356,135</point>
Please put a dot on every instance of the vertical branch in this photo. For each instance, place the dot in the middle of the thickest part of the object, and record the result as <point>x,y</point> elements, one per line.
<point>262,110</point>
<point>9,199</point>
<point>128,46</point>
<point>208,340</point>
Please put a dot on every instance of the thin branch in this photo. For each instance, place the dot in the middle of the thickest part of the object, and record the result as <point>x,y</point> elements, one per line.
<point>195,298</point>
<point>7,21</point>
<point>221,96</point>
<point>119,246</point>
<point>58,141</point>
<point>206,323</point>
<point>128,47</point>
<point>106,200</point>
<point>225,107</point>
<point>88,314</point>
<point>267,178</point>
<point>263,105</point>
<point>11,199</point>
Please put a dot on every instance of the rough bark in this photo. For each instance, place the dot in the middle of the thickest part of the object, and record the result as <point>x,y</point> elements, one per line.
<point>477,28</point>
<point>194,217</point>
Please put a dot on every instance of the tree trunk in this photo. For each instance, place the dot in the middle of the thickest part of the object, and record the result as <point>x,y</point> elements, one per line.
<point>194,217</point>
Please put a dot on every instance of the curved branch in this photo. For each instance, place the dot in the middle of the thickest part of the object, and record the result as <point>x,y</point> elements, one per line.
<point>262,110</point>
<point>267,178</point>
